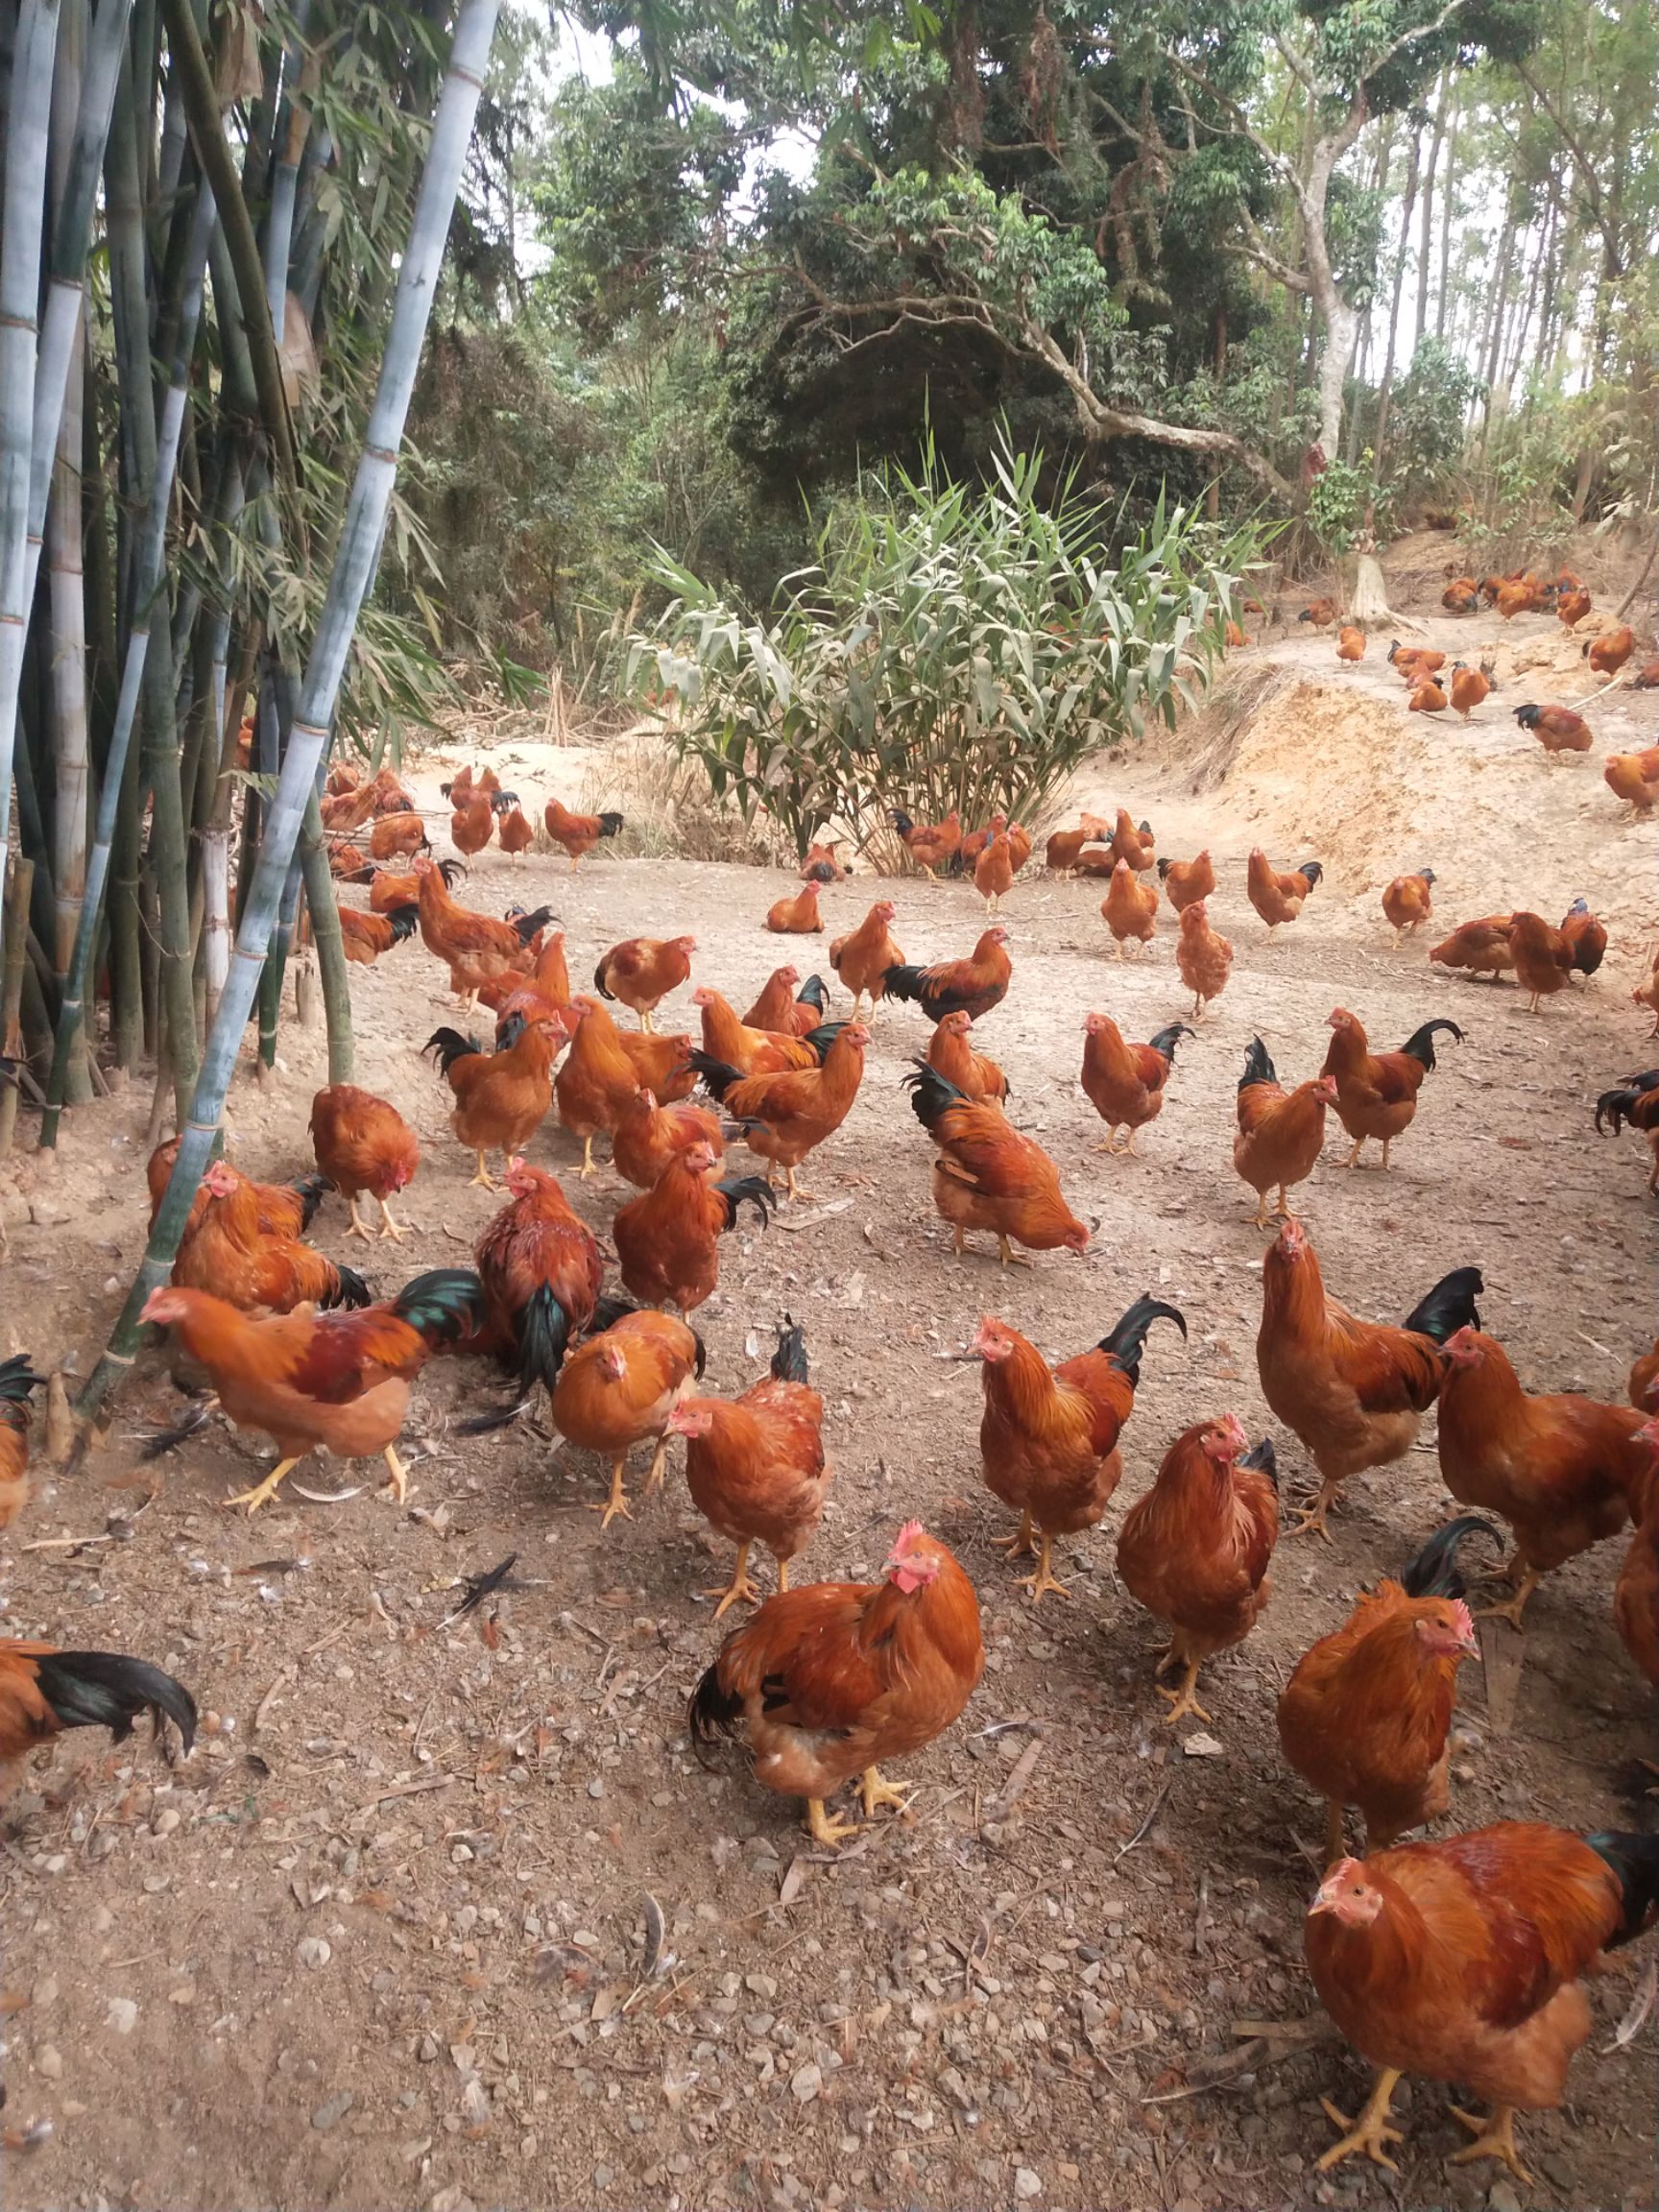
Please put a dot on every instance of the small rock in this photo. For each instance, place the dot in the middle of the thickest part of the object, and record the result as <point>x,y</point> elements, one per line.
<point>49,2060</point>
<point>328,2115</point>
<point>426,2050</point>
<point>454,2198</point>
<point>122,2017</point>
<point>313,1951</point>
<point>44,1993</point>
<point>165,1821</point>
<point>603,2177</point>
<point>1027,2183</point>
<point>805,2082</point>
<point>476,2104</point>
<point>1502,2199</point>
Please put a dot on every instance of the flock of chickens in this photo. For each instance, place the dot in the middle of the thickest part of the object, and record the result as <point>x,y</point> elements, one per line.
<point>1463,1958</point>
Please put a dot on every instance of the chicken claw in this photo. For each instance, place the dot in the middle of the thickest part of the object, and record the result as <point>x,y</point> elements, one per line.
<point>740,1588</point>
<point>399,1485</point>
<point>1370,2134</point>
<point>1493,2138</point>
<point>1006,1253</point>
<point>878,1792</point>
<point>484,1176</point>
<point>824,1829</point>
<point>1044,1578</point>
<point>396,1230</point>
<point>1313,1516</point>
<point>1020,1540</point>
<point>616,1503</point>
<point>1517,1606</point>
<point>1181,1700</point>
<point>263,1492</point>
<point>356,1227</point>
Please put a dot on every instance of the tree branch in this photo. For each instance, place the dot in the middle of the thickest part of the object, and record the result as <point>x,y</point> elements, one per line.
<point>1582,161</point>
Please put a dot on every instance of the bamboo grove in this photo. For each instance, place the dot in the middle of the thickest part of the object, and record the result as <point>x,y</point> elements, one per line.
<point>223,233</point>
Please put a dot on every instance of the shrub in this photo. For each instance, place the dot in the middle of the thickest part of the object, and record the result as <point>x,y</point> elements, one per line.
<point>953,646</point>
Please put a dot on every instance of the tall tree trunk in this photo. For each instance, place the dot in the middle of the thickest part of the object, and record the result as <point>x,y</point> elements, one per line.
<point>1413,164</point>
<point>1448,198</point>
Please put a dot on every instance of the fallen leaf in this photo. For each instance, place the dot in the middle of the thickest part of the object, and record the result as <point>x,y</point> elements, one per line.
<point>793,1883</point>
<point>1202,1746</point>
<point>1641,2005</point>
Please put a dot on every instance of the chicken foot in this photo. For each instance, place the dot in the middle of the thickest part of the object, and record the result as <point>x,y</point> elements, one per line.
<point>398,1482</point>
<point>878,1791</point>
<point>1517,1606</point>
<point>1314,1517</point>
<point>1044,1578</point>
<point>1020,1540</point>
<point>263,1492</point>
<point>396,1230</point>
<point>1493,2138</point>
<point>824,1829</point>
<point>587,1156</point>
<point>1353,1160</point>
<point>1371,2132</point>
<point>740,1589</point>
<point>357,1227</point>
<point>1007,1255</point>
<point>484,1178</point>
<point>1181,1700</point>
<point>616,1503</point>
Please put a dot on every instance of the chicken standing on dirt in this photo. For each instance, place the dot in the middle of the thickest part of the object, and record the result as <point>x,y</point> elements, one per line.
<point>44,1691</point>
<point>750,1049</point>
<point>1465,1960</point>
<point>970,986</point>
<point>1195,1550</point>
<point>862,958</point>
<point>501,1097</point>
<point>474,947</point>
<point>989,1176</point>
<point>578,833</point>
<point>1541,955</point>
<point>930,845</point>
<point>1366,1715</point>
<point>541,1270</point>
<point>1049,1437</point>
<point>597,1081</point>
<point>754,1465</point>
<point>1557,728</point>
<point>642,970</point>
<point>1480,947</point>
<point>1185,883</point>
<point>285,1208</point>
<point>1559,1469</point>
<point>784,1117</point>
<point>828,1680</point>
<point>1377,1091</point>
<point>619,1387</point>
<point>1129,909</point>
<point>364,1145</point>
<point>1279,898</point>
<point>995,869</point>
<point>1280,1133</point>
<point>1124,1083</point>
<point>788,1005</point>
<point>1406,903</point>
<point>1585,937</point>
<point>17,1381</point>
<point>1203,957</point>
<point>364,937</point>
<point>668,1238</point>
<point>308,1380</point>
<point>1354,1391</point>
<point>228,1251</point>
<point>1637,1104</point>
<point>648,1135</point>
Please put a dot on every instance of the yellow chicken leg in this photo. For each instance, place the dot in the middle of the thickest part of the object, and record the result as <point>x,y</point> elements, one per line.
<point>659,1460</point>
<point>740,1589</point>
<point>645,1021</point>
<point>1313,1516</point>
<point>1517,1606</point>
<point>616,1503</point>
<point>1042,1580</point>
<point>1006,1253</point>
<point>1493,2138</point>
<point>824,1829</point>
<point>263,1492</point>
<point>356,1228</point>
<point>1353,1156</point>
<point>588,1155</point>
<point>1371,2132</point>
<point>878,1792</point>
<point>484,1176</point>
<point>795,1191</point>
<point>399,1485</point>
<point>1020,1540</point>
<point>1181,1700</point>
<point>396,1230</point>
<point>783,1576</point>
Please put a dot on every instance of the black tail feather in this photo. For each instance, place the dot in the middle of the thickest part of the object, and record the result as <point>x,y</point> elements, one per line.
<point>789,1360</point>
<point>1128,1339</point>
<point>932,1093</point>
<point>713,1712</point>
<point>823,1037</point>
<point>735,1189</point>
<point>1259,1066</point>
<point>906,981</point>
<point>599,983</point>
<point>1449,1307</point>
<point>404,920</point>
<point>610,824</point>
<point>813,993</point>
<point>354,1292</point>
<point>1168,1039</point>
<point>543,1339</point>
<point>17,1379</point>
<point>447,1046</point>
<point>717,1076</point>
<point>1635,1861</point>
<point>1263,1457</point>
<point>311,1190</point>
<point>443,1303</point>
<point>1434,1573</point>
<point>1420,1044</point>
<point>527,924</point>
<point>107,1690</point>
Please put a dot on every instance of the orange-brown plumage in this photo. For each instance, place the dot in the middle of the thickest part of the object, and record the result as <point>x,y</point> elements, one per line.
<point>541,1270</point>
<point>514,829</point>
<point>1187,883</point>
<point>974,985</point>
<point>501,1097</point>
<point>1469,686</point>
<point>546,985</point>
<point>1194,1550</point>
<point>1464,1959</point>
<point>1480,947</point>
<point>1634,778</point>
<point>1541,955</point>
<point>1585,937</point>
<point>365,936</point>
<point>476,942</point>
<point>1124,1083</point>
<point>1571,607</point>
<point>338,1381</point>
<point>931,844</point>
<point>363,1144</point>
<point>1407,902</point>
<point>786,1115</point>
<point>1636,1594</point>
<point>1277,896</point>
<point>1048,1436</point>
<point>1559,1469</point>
<point>1130,908</point>
<point>17,1381</point>
<point>397,835</point>
<point>596,1080</point>
<point>642,970</point>
<point>1135,845</point>
<point>751,1051</point>
<point>647,1136</point>
<point>1280,1133</point>
<point>975,1073</point>
<point>828,1680</point>
<point>820,864</point>
<point>863,957</point>
<point>473,824</point>
<point>1609,653</point>
<point>227,1250</point>
<point>619,1387</point>
<point>1377,1091</point>
<point>578,833</point>
<point>987,1175</point>
<point>662,1063</point>
<point>797,916</point>
<point>1203,956</point>
<point>994,867</point>
<point>668,1238</point>
<point>285,1208</point>
<point>1557,728</point>
<point>1350,643</point>
<point>755,1464</point>
<point>779,1009</point>
<point>1354,1392</point>
<point>1426,698</point>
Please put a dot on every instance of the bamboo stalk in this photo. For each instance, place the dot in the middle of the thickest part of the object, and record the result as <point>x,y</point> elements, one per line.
<point>22,219</point>
<point>325,934</point>
<point>349,584</point>
<point>17,895</point>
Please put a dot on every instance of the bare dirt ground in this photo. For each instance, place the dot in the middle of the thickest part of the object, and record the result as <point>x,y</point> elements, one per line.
<point>392,1935</point>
